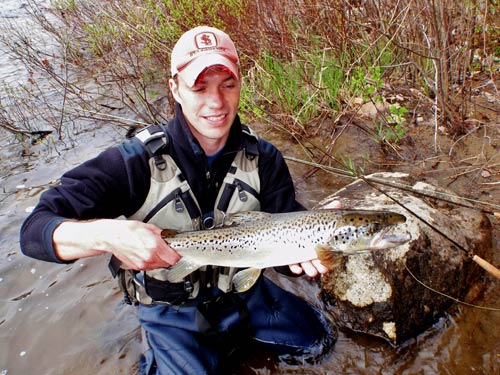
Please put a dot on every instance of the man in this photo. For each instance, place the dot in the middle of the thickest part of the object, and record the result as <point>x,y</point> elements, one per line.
<point>186,175</point>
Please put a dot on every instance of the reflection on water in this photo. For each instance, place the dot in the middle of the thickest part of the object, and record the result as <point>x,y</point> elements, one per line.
<point>67,319</point>
<point>10,12</point>
<point>14,14</point>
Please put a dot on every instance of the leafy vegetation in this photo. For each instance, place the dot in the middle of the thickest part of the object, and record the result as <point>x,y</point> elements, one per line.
<point>305,62</point>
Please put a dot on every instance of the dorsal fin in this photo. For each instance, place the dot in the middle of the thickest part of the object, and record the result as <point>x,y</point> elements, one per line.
<point>245,217</point>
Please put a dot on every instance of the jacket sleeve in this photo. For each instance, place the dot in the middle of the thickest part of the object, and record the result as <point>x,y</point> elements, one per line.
<point>103,187</point>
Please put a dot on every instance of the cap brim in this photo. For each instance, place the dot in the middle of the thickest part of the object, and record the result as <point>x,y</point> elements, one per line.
<point>191,72</point>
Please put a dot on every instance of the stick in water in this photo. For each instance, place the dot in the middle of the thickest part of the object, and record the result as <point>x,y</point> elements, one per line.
<point>490,268</point>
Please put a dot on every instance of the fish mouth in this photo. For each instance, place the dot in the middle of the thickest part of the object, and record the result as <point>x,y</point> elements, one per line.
<point>354,240</point>
<point>396,239</point>
<point>382,239</point>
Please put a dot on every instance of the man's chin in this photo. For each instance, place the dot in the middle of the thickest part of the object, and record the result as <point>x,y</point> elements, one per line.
<point>216,130</point>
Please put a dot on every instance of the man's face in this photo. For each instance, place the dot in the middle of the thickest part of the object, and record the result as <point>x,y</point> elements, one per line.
<point>209,107</point>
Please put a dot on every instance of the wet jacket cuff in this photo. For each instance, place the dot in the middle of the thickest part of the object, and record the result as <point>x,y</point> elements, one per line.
<point>48,243</point>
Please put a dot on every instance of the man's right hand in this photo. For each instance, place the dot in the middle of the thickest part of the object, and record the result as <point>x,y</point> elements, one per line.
<point>137,245</point>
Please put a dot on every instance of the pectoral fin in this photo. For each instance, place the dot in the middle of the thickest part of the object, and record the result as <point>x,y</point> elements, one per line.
<point>181,269</point>
<point>245,279</point>
<point>328,256</point>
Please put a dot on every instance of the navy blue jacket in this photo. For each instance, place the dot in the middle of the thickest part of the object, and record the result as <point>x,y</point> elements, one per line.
<point>117,182</point>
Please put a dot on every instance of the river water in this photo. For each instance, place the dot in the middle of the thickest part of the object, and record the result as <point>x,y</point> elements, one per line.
<point>68,319</point>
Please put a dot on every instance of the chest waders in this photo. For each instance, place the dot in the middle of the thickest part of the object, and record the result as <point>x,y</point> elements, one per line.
<point>170,203</point>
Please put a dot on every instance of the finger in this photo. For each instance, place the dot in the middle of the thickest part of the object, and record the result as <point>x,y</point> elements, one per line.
<point>319,266</point>
<point>309,269</point>
<point>168,255</point>
<point>133,264</point>
<point>142,265</point>
<point>144,260</point>
<point>295,268</point>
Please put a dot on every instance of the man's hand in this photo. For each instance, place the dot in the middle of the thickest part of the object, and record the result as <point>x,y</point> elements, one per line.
<point>311,268</point>
<point>136,244</point>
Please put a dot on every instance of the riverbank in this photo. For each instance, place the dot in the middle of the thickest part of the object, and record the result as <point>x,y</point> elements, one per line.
<point>60,319</point>
<point>68,319</point>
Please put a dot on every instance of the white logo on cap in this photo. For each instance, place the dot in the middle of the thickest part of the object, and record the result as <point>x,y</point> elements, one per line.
<point>205,40</point>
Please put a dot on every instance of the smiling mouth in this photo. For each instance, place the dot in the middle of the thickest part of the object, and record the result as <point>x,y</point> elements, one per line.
<point>216,118</point>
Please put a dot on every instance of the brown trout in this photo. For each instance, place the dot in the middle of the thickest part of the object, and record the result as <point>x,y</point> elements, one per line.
<point>258,240</point>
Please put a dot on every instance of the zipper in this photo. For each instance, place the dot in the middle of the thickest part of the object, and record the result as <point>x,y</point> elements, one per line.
<point>242,195</point>
<point>179,206</point>
<point>173,195</point>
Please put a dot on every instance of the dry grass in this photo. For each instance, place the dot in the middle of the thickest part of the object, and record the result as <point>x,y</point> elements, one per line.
<point>306,62</point>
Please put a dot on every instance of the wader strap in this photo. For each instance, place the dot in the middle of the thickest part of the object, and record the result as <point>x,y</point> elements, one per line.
<point>150,291</point>
<point>251,148</point>
<point>114,265</point>
<point>154,138</point>
<point>180,197</point>
<point>190,204</point>
<point>155,141</point>
<point>226,198</point>
<point>125,281</point>
<point>162,204</point>
<point>133,291</point>
<point>227,194</point>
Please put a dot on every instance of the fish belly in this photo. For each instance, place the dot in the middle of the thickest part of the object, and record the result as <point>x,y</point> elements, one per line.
<point>255,257</point>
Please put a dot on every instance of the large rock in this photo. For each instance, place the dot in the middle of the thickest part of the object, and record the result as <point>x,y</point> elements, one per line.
<point>376,293</point>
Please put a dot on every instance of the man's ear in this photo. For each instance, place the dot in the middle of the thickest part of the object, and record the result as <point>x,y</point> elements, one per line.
<point>174,89</point>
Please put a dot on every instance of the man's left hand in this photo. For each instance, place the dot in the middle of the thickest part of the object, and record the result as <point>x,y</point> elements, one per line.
<point>311,268</point>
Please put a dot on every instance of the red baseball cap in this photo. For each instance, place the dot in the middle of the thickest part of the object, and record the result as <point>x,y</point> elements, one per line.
<point>201,48</point>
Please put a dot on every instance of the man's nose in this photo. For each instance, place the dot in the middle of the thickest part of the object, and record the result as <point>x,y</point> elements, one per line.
<point>216,99</point>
